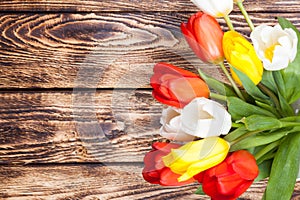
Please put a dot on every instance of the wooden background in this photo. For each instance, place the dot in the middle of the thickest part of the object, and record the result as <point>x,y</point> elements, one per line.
<point>76,112</point>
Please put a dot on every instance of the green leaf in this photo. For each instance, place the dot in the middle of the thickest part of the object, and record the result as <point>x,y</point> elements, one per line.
<point>285,107</point>
<point>268,80</point>
<point>284,169</point>
<point>268,156</point>
<point>284,23</point>
<point>282,93</point>
<point>250,87</point>
<point>258,140</point>
<point>239,109</point>
<point>200,191</point>
<point>261,123</point>
<point>218,86</point>
<point>280,84</point>
<point>264,170</point>
<point>236,134</point>
<point>268,107</point>
<point>262,138</point>
<point>291,74</point>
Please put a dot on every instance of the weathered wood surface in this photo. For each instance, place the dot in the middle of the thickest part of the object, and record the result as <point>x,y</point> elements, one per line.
<point>57,142</point>
<point>103,50</point>
<point>136,5</point>
<point>94,181</point>
<point>83,126</point>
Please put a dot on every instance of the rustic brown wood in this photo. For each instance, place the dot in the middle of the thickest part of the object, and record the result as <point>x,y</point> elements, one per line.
<point>136,5</point>
<point>107,50</point>
<point>96,182</point>
<point>57,142</point>
<point>79,126</point>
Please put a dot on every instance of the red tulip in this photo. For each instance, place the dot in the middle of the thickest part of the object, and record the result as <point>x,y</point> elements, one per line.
<point>155,171</point>
<point>175,86</point>
<point>231,178</point>
<point>204,35</point>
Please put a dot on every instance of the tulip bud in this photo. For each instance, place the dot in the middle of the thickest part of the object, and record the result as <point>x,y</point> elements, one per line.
<point>215,8</point>
<point>229,179</point>
<point>202,117</point>
<point>175,86</point>
<point>204,35</point>
<point>155,171</point>
<point>240,53</point>
<point>275,46</point>
<point>196,156</point>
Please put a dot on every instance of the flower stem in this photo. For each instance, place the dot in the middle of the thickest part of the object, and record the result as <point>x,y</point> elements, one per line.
<point>266,149</point>
<point>218,96</point>
<point>228,22</point>
<point>235,87</point>
<point>246,16</point>
<point>272,96</point>
<point>236,125</point>
<point>243,137</point>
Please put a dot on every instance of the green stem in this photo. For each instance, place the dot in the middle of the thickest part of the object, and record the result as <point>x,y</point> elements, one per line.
<point>236,89</point>
<point>288,124</point>
<point>267,149</point>
<point>244,136</point>
<point>272,96</point>
<point>236,125</point>
<point>228,22</point>
<point>246,16</point>
<point>218,96</point>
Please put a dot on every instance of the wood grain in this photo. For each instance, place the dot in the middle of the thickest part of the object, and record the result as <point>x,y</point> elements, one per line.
<point>136,5</point>
<point>96,182</point>
<point>107,50</point>
<point>78,126</point>
<point>60,138</point>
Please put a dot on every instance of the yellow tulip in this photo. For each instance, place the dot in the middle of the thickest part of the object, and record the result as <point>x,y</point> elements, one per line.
<point>196,156</point>
<point>240,53</point>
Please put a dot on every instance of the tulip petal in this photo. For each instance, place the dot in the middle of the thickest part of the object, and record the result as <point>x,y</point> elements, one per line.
<point>168,82</point>
<point>168,178</point>
<point>265,38</point>
<point>205,164</point>
<point>197,156</point>
<point>240,53</point>
<point>228,184</point>
<point>244,164</point>
<point>214,7</point>
<point>205,118</point>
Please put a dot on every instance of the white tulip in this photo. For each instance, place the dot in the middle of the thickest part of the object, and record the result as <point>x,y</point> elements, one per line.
<point>275,47</point>
<point>215,8</point>
<point>200,118</point>
<point>171,129</point>
<point>205,118</point>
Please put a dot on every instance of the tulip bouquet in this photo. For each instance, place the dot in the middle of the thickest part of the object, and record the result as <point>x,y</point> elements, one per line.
<point>225,136</point>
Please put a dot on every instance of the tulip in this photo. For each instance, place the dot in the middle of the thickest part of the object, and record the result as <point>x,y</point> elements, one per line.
<point>276,47</point>
<point>196,156</point>
<point>240,53</point>
<point>231,178</point>
<point>176,87</point>
<point>155,171</point>
<point>204,36</point>
<point>171,125</point>
<point>215,8</point>
<point>200,118</point>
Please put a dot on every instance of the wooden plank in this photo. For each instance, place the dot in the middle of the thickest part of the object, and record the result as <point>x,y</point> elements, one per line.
<point>136,5</point>
<point>96,182</point>
<point>105,50</point>
<point>78,126</point>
